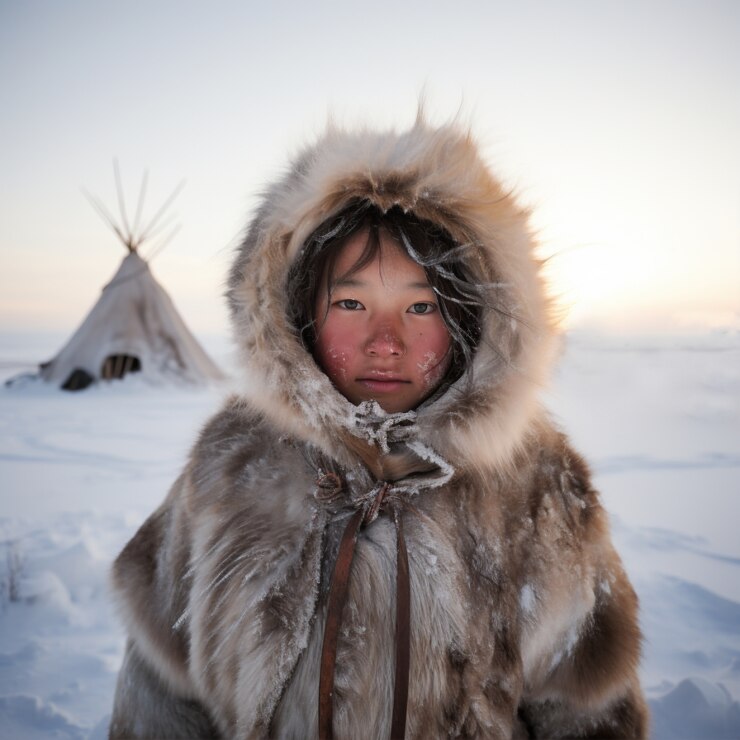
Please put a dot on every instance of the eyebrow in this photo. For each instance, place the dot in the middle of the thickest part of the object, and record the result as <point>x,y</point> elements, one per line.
<point>353,283</point>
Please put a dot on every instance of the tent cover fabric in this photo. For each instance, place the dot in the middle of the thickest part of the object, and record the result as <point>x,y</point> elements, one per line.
<point>134,327</point>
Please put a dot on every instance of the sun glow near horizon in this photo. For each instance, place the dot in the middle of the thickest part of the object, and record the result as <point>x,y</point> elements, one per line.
<point>628,256</point>
<point>628,283</point>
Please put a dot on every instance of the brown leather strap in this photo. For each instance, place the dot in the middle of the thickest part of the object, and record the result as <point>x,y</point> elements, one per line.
<point>335,607</point>
<point>337,597</point>
<point>403,632</point>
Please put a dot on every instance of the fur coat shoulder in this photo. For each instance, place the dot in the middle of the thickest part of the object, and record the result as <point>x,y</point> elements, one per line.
<point>523,622</point>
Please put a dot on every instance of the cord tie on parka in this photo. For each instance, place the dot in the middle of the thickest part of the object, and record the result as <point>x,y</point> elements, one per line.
<point>404,466</point>
<point>369,421</point>
<point>364,516</point>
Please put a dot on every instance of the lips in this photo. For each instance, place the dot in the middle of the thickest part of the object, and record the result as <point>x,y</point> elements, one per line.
<point>379,381</point>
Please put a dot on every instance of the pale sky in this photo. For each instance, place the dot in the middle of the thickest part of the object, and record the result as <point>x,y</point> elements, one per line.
<point>617,122</point>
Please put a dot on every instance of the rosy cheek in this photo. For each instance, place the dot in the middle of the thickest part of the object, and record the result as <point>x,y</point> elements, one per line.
<point>433,369</point>
<point>334,362</point>
<point>436,358</point>
<point>334,350</point>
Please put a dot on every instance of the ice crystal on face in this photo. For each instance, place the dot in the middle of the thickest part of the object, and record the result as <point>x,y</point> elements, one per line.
<point>429,359</point>
<point>433,369</point>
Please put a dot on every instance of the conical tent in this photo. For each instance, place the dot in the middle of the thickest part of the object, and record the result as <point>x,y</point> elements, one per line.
<point>133,327</point>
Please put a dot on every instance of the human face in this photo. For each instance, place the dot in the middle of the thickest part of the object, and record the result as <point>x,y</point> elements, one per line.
<point>383,337</point>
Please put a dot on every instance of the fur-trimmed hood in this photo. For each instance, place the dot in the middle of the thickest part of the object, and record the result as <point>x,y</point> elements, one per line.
<point>439,175</point>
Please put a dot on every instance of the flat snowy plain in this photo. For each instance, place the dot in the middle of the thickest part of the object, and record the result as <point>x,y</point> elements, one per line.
<point>658,418</point>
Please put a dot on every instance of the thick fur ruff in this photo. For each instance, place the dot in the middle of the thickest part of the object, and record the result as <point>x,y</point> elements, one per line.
<point>439,175</point>
<point>523,621</point>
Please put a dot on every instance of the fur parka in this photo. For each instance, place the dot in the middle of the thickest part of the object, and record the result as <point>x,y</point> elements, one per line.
<point>523,621</point>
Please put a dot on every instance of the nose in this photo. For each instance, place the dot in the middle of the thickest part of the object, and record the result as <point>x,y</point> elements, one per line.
<point>385,341</point>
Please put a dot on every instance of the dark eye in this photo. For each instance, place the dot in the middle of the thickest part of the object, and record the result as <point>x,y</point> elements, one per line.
<point>422,308</point>
<point>350,304</point>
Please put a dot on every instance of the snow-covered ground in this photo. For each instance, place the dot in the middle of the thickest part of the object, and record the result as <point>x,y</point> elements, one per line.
<point>659,419</point>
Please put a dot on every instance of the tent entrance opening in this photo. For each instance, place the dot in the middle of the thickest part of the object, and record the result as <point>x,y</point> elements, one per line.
<point>116,366</point>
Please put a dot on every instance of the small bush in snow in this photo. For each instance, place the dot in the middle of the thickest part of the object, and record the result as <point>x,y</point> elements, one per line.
<point>10,581</point>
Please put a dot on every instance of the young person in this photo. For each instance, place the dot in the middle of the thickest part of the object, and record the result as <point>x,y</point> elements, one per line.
<point>383,534</point>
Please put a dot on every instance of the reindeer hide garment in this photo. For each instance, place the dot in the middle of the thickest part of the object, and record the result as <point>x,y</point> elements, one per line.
<point>523,622</point>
